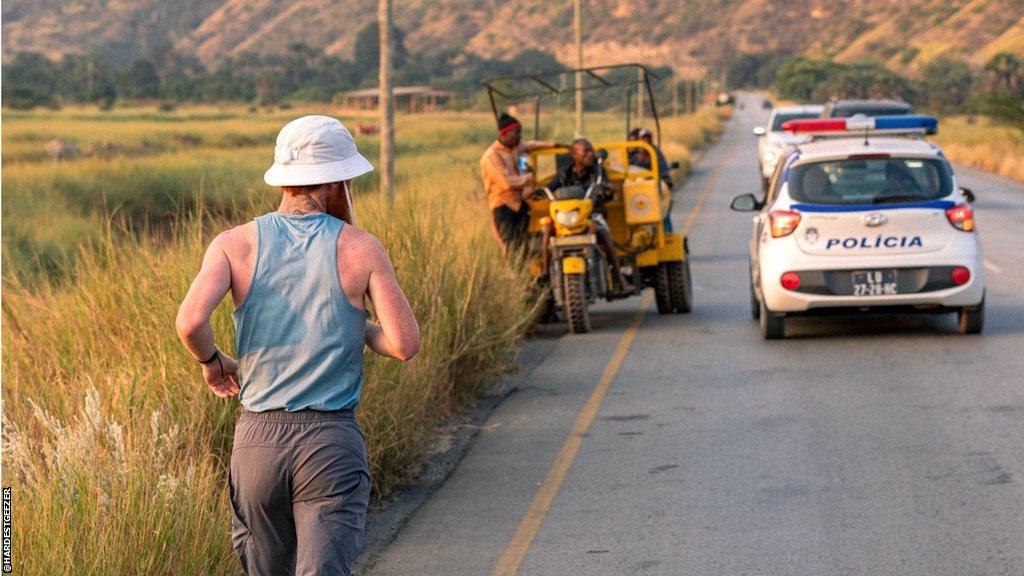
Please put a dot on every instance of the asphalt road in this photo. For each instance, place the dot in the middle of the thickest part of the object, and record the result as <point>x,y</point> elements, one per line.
<point>855,446</point>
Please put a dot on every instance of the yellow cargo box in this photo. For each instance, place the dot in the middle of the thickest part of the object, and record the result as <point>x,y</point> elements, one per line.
<point>641,201</point>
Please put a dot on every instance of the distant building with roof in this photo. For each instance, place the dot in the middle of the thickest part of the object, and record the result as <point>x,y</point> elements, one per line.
<point>406,99</point>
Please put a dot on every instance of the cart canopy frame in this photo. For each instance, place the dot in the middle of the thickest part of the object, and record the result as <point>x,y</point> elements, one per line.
<point>537,86</point>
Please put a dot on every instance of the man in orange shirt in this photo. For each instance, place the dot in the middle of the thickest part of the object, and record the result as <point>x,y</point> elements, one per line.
<point>508,182</point>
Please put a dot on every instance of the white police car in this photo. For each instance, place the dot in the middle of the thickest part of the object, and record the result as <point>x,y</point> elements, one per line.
<point>772,141</point>
<point>867,216</point>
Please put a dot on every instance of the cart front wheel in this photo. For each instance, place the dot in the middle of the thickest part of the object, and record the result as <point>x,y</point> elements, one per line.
<point>576,313</point>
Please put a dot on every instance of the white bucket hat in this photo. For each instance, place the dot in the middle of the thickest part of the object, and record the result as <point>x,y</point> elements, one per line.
<point>315,150</point>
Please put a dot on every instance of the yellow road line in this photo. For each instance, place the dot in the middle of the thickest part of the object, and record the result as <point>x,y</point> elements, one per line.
<point>522,540</point>
<point>508,564</point>
<point>692,217</point>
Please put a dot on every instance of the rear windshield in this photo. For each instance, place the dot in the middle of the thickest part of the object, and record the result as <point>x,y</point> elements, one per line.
<point>781,119</point>
<point>870,181</point>
<point>846,112</point>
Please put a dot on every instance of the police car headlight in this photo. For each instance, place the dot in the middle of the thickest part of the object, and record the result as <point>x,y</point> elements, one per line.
<point>568,217</point>
<point>770,156</point>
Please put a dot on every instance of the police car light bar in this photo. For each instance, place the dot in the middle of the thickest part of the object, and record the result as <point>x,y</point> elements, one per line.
<point>917,124</point>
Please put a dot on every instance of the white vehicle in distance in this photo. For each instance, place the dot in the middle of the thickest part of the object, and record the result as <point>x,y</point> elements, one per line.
<point>866,217</point>
<point>772,140</point>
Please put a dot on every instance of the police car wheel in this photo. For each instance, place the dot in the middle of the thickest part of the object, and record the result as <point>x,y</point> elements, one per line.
<point>773,327</point>
<point>755,306</point>
<point>971,319</point>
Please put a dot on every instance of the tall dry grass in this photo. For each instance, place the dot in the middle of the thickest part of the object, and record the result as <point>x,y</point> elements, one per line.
<point>114,447</point>
<point>978,141</point>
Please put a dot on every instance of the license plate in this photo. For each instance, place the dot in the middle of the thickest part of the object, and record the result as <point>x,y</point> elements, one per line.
<point>575,240</point>
<point>874,283</point>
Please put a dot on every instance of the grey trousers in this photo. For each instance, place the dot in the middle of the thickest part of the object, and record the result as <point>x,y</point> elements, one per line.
<point>299,486</point>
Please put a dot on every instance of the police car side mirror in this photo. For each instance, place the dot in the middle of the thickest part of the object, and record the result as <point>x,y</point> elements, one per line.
<point>745,203</point>
<point>968,194</point>
<point>759,131</point>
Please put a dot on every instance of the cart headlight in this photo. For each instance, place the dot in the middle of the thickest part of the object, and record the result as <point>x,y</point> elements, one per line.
<point>568,217</point>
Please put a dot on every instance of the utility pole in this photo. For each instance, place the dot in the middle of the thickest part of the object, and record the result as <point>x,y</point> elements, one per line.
<point>578,30</point>
<point>639,95</point>
<point>387,110</point>
<point>90,70</point>
<point>675,94</point>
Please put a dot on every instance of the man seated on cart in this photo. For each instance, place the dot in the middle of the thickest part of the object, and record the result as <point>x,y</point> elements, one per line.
<point>642,158</point>
<point>584,171</point>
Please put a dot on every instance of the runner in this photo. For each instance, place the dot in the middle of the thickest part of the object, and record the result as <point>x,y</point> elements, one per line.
<point>299,278</point>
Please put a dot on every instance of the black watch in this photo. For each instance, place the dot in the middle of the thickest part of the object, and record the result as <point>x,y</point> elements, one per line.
<point>214,356</point>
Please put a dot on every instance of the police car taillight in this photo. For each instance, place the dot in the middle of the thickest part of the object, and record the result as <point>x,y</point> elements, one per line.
<point>790,280</point>
<point>961,217</point>
<point>960,276</point>
<point>783,222</point>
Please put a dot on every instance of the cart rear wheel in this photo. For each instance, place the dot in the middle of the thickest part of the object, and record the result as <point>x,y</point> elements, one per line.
<point>576,313</point>
<point>662,289</point>
<point>548,311</point>
<point>680,286</point>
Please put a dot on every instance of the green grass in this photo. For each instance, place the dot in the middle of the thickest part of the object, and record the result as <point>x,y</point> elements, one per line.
<point>115,448</point>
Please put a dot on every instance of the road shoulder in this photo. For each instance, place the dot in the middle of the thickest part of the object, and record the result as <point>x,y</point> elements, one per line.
<point>387,517</point>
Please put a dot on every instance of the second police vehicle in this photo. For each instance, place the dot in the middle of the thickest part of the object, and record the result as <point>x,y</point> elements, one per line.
<point>865,216</point>
<point>772,141</point>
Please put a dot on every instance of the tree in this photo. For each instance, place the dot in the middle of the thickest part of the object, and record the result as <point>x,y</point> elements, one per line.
<point>30,80</point>
<point>1005,73</point>
<point>299,65</point>
<point>85,78</point>
<point>754,70</point>
<point>947,84</point>
<point>1005,84</point>
<point>801,78</point>
<point>863,80</point>
<point>798,78</point>
<point>140,80</point>
<point>228,82</point>
<point>1005,107</point>
<point>366,57</point>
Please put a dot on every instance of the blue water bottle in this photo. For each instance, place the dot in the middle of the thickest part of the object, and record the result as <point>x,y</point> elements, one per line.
<point>523,164</point>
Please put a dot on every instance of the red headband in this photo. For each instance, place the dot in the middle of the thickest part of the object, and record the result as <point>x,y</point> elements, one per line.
<point>509,128</point>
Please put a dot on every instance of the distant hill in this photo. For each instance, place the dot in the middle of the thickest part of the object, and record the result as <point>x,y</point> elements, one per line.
<point>691,35</point>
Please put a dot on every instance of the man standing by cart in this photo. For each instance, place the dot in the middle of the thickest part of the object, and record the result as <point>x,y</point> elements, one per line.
<point>509,182</point>
<point>299,277</point>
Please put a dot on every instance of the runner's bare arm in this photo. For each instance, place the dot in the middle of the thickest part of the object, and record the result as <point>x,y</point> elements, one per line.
<point>193,321</point>
<point>397,335</point>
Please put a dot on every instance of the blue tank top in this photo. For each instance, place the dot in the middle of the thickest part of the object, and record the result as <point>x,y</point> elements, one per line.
<point>299,340</point>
